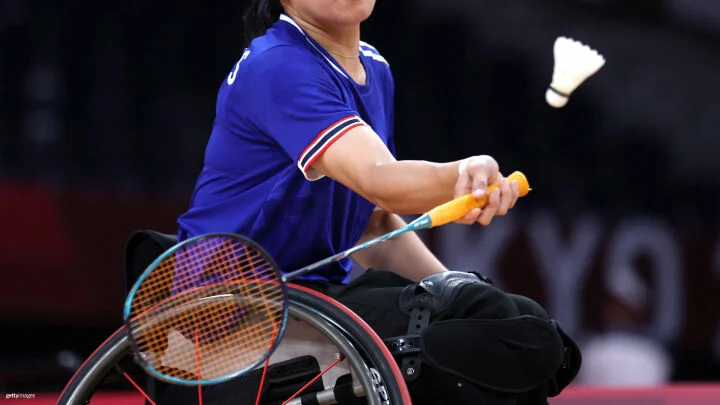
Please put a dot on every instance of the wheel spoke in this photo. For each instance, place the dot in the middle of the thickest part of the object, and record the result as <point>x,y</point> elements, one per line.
<point>127,376</point>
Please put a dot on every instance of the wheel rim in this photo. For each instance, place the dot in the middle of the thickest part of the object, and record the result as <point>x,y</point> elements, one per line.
<point>345,342</point>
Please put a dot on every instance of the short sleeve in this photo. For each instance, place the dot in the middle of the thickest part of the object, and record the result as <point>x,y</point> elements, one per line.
<point>297,103</point>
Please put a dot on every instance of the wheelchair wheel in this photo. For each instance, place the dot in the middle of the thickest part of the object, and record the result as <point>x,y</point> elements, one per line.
<point>375,376</point>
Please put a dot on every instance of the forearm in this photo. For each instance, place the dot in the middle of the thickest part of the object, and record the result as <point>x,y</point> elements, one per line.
<point>405,255</point>
<point>412,186</point>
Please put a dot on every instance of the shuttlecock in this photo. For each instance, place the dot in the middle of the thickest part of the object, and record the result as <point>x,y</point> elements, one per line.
<point>574,63</point>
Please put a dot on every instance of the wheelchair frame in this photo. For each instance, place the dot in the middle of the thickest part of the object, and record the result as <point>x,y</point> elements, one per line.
<point>381,381</point>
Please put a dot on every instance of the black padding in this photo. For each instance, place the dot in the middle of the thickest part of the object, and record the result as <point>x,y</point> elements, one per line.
<point>309,399</point>
<point>141,249</point>
<point>436,387</point>
<point>343,391</point>
<point>509,355</point>
<point>285,378</point>
<point>572,360</point>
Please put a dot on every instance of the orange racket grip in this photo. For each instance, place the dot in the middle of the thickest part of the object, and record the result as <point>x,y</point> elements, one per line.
<point>456,209</point>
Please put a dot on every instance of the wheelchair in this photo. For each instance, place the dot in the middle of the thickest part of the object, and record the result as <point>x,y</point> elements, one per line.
<point>328,355</point>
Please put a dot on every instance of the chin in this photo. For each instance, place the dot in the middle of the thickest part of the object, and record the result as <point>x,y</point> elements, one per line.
<point>355,11</point>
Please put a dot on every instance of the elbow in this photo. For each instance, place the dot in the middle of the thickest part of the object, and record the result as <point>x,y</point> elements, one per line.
<point>387,202</point>
<point>376,188</point>
<point>395,207</point>
<point>376,198</point>
<point>397,204</point>
<point>373,190</point>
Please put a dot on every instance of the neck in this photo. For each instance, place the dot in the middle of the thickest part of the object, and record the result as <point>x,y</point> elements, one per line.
<point>341,40</point>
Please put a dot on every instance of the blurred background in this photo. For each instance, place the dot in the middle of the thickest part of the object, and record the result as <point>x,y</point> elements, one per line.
<point>105,109</point>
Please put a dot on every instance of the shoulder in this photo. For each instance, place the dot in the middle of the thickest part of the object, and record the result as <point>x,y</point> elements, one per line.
<point>278,76</point>
<point>264,72</point>
<point>292,70</point>
<point>282,60</point>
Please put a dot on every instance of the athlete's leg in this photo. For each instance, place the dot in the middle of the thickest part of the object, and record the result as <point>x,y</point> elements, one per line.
<point>386,302</point>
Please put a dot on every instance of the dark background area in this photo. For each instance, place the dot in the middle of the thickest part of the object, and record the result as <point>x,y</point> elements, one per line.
<point>105,108</point>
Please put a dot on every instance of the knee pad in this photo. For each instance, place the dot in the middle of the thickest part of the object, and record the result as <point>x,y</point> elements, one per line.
<point>419,302</point>
<point>571,355</point>
<point>527,306</point>
<point>436,291</point>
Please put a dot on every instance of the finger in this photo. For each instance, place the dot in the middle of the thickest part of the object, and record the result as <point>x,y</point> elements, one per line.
<point>506,197</point>
<point>479,183</point>
<point>463,184</point>
<point>470,218</point>
<point>489,212</point>
<point>515,192</point>
<point>482,169</point>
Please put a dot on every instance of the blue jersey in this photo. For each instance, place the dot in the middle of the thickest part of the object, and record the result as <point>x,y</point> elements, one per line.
<point>283,104</point>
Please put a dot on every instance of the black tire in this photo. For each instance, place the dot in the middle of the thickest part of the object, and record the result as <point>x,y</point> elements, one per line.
<point>95,369</point>
<point>387,377</point>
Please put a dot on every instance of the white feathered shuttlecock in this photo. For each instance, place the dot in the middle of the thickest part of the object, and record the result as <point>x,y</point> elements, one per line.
<point>574,63</point>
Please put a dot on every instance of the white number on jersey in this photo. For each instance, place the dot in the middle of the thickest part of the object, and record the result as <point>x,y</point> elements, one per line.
<point>233,74</point>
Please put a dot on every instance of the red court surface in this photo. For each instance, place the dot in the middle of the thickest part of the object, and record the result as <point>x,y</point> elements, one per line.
<point>671,395</point>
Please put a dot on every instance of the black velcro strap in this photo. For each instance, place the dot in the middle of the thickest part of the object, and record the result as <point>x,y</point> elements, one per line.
<point>404,344</point>
<point>410,365</point>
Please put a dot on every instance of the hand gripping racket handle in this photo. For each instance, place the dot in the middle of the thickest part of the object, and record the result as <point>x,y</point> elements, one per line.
<point>459,207</point>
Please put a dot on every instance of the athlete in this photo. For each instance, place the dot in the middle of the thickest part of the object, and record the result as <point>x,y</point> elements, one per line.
<point>301,159</point>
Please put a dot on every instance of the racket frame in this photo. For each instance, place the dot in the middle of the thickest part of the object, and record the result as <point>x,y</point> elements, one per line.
<point>127,309</point>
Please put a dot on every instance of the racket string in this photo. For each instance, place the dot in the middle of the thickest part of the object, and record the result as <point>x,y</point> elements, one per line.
<point>219,301</point>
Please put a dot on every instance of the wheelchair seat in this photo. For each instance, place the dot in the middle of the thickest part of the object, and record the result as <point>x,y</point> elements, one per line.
<point>141,249</point>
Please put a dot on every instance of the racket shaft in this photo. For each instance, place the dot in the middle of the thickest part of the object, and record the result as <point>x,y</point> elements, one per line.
<point>420,223</point>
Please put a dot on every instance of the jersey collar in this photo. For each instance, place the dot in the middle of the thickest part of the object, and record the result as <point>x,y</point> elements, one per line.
<point>284,17</point>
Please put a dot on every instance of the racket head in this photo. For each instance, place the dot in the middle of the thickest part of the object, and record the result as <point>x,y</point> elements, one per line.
<point>207,310</point>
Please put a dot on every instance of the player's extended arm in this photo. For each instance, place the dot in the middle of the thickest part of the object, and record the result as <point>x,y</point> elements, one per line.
<point>362,162</point>
<point>405,255</point>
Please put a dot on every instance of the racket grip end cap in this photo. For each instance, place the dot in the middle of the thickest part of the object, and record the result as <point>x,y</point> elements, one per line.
<point>523,184</point>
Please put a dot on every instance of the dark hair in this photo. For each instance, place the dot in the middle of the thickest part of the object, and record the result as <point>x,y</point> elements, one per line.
<point>259,16</point>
